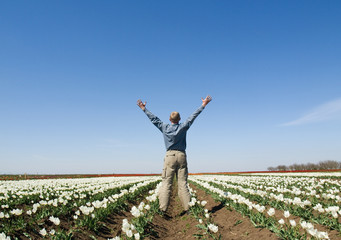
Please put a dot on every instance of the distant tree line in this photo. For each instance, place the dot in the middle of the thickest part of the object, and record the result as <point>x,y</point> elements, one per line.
<point>323,165</point>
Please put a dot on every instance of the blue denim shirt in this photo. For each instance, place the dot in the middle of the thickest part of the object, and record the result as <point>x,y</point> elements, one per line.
<point>174,134</point>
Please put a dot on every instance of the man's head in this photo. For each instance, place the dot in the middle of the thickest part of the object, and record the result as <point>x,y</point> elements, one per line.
<point>174,117</point>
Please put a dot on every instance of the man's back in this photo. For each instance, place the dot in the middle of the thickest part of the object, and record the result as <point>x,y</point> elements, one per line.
<point>174,134</point>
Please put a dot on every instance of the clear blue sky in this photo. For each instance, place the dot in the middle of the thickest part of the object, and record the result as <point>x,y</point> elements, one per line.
<point>72,71</point>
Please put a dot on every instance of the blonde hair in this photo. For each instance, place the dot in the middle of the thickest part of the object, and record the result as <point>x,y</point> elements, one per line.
<point>174,117</point>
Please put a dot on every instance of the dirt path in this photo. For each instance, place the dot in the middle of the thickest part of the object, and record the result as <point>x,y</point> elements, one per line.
<point>176,226</point>
<point>232,225</point>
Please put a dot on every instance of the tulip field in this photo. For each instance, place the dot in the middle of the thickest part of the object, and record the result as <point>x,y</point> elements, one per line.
<point>250,206</point>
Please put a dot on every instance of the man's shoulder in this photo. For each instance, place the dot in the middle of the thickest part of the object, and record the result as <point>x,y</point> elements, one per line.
<point>172,127</point>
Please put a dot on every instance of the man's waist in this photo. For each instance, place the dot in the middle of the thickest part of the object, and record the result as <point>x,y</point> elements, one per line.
<point>176,150</point>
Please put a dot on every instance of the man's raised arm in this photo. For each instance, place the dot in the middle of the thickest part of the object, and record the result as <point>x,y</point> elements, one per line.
<point>191,118</point>
<point>154,119</point>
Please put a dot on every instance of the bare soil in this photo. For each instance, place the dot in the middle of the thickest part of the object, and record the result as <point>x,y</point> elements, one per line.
<point>232,225</point>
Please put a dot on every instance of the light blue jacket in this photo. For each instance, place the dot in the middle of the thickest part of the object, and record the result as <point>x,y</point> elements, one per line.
<point>174,134</point>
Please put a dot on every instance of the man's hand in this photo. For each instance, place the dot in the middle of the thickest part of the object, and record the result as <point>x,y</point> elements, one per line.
<point>206,100</point>
<point>141,104</point>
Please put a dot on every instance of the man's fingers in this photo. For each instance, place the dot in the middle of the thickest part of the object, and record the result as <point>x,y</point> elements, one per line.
<point>208,98</point>
<point>139,102</point>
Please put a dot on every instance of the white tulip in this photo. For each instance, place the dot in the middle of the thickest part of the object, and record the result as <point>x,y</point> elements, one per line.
<point>43,232</point>
<point>322,235</point>
<point>125,225</point>
<point>271,212</point>
<point>55,220</point>
<point>137,236</point>
<point>129,233</point>
<point>286,214</point>
<point>213,228</point>
<point>4,237</point>
<point>292,223</point>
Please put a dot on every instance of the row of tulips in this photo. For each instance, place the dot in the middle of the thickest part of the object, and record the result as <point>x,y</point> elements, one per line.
<point>142,215</point>
<point>328,216</point>
<point>87,211</point>
<point>53,192</point>
<point>262,215</point>
<point>300,186</point>
<point>333,210</point>
<point>206,223</point>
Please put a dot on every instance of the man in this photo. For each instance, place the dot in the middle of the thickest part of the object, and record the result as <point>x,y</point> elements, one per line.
<point>175,161</point>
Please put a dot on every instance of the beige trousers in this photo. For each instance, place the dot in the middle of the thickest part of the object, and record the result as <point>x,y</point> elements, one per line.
<point>175,163</point>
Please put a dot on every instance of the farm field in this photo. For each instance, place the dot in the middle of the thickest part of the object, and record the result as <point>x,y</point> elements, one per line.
<point>251,206</point>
